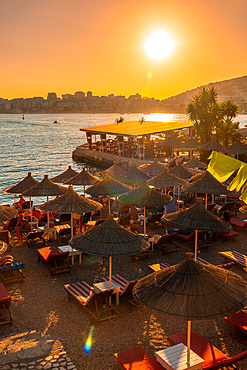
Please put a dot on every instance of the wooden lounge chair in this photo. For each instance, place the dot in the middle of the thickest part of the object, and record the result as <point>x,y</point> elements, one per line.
<point>226,266</point>
<point>202,243</point>
<point>34,236</point>
<point>96,304</point>
<point>158,266</point>
<point>154,220</point>
<point>213,357</point>
<point>10,270</point>
<point>136,359</point>
<point>5,312</point>
<point>229,235</point>
<point>126,288</point>
<point>56,261</point>
<point>166,243</point>
<point>5,237</point>
<point>238,223</point>
<point>237,257</point>
<point>238,321</point>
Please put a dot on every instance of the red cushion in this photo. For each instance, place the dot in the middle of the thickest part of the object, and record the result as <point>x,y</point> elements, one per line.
<point>48,253</point>
<point>238,319</point>
<point>136,359</point>
<point>4,298</point>
<point>200,346</point>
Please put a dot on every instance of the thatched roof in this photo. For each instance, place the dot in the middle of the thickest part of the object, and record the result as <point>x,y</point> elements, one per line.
<point>66,175</point>
<point>166,179</point>
<point>190,144</point>
<point>114,171</point>
<point>197,217</point>
<point>71,202</point>
<point>198,176</point>
<point>152,169</point>
<point>181,172</point>
<point>45,188</point>
<point>109,239</point>
<point>213,145</point>
<point>25,184</point>
<point>7,213</point>
<point>143,196</point>
<point>191,290</point>
<point>108,186</point>
<point>134,176</point>
<point>194,163</point>
<point>207,184</point>
<point>171,142</point>
<point>237,148</point>
<point>82,178</point>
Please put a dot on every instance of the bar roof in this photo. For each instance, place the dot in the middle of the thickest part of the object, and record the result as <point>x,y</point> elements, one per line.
<point>135,128</point>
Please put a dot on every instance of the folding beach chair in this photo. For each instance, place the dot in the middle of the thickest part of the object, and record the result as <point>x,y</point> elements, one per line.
<point>96,304</point>
<point>56,261</point>
<point>166,243</point>
<point>5,312</point>
<point>226,266</point>
<point>10,270</point>
<point>237,257</point>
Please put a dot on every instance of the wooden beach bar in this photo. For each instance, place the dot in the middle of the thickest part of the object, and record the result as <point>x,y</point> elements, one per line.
<point>129,142</point>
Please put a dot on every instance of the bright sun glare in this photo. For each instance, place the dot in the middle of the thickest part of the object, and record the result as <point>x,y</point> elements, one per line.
<point>159,44</point>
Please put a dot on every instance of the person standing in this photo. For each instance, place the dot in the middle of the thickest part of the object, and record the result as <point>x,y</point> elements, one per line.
<point>172,206</point>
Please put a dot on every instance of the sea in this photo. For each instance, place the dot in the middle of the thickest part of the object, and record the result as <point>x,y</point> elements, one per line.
<point>43,144</point>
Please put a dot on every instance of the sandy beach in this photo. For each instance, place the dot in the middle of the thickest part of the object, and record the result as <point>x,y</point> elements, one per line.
<point>40,303</point>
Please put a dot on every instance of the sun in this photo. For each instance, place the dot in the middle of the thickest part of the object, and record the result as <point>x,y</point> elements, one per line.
<point>159,44</point>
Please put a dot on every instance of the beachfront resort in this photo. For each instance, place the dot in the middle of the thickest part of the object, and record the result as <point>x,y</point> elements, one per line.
<point>147,269</point>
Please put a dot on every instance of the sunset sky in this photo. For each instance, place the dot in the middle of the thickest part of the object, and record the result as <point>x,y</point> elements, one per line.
<point>99,45</point>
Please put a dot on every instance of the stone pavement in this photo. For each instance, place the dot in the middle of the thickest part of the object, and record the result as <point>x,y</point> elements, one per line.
<point>30,350</point>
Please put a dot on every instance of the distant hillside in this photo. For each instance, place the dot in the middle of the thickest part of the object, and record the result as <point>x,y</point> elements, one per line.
<point>234,89</point>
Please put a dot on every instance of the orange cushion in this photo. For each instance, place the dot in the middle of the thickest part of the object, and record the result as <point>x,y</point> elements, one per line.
<point>238,319</point>
<point>136,359</point>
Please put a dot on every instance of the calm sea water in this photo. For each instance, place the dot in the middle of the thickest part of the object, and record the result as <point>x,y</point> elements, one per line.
<point>39,145</point>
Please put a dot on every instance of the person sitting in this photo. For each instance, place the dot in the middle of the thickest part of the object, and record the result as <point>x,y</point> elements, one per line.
<point>21,226</point>
<point>172,206</point>
<point>20,204</point>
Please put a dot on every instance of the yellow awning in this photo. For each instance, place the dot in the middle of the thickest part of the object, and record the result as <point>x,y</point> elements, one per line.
<point>135,128</point>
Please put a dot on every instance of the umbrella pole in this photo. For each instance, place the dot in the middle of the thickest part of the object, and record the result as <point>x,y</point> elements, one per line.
<point>188,342</point>
<point>178,192</point>
<point>110,272</point>
<point>30,209</point>
<point>206,202</point>
<point>84,190</point>
<point>47,216</point>
<point>196,237</point>
<point>144,221</point>
<point>71,222</point>
<point>109,204</point>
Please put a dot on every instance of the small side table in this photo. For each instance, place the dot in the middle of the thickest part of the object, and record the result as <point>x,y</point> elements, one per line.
<point>175,358</point>
<point>104,285</point>
<point>48,231</point>
<point>72,252</point>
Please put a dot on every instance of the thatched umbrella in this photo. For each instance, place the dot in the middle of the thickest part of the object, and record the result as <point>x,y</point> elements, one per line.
<point>108,187</point>
<point>143,196</point>
<point>166,179</point>
<point>194,163</point>
<point>114,171</point>
<point>172,142</point>
<point>206,184</point>
<point>190,144</point>
<point>152,169</point>
<point>192,291</point>
<point>66,175</point>
<point>109,239</point>
<point>197,217</point>
<point>83,178</point>
<point>237,148</point>
<point>45,188</point>
<point>71,202</point>
<point>6,213</point>
<point>134,177</point>
<point>181,172</point>
<point>213,145</point>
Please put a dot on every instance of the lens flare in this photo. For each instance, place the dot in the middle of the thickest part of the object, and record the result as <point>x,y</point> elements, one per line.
<point>88,344</point>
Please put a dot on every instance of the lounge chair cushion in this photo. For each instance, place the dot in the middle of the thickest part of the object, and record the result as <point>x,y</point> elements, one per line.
<point>137,358</point>
<point>49,253</point>
<point>238,321</point>
<point>235,256</point>
<point>4,298</point>
<point>119,280</point>
<point>158,266</point>
<point>81,291</point>
<point>238,223</point>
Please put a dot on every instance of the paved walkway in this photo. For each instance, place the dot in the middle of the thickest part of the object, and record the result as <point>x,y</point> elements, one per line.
<point>30,350</point>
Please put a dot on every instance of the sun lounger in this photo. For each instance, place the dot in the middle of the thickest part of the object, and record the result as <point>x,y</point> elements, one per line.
<point>237,257</point>
<point>238,321</point>
<point>154,220</point>
<point>5,312</point>
<point>166,243</point>
<point>5,237</point>
<point>213,357</point>
<point>126,288</point>
<point>158,266</point>
<point>92,302</point>
<point>33,236</point>
<point>56,261</point>
<point>10,270</point>
<point>229,235</point>
<point>136,359</point>
<point>226,266</point>
<point>238,223</point>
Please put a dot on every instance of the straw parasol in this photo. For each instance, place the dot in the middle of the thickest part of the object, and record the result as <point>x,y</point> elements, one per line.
<point>192,291</point>
<point>6,213</point>
<point>143,196</point>
<point>206,184</point>
<point>66,175</point>
<point>237,148</point>
<point>181,172</point>
<point>45,188</point>
<point>166,179</point>
<point>114,171</point>
<point>213,145</point>
<point>194,163</point>
<point>83,178</point>
<point>197,217</point>
<point>191,143</point>
<point>171,141</point>
<point>152,169</point>
<point>71,202</point>
<point>134,176</point>
<point>109,239</point>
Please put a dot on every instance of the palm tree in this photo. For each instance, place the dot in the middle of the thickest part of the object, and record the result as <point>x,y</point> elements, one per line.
<point>226,129</point>
<point>119,120</point>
